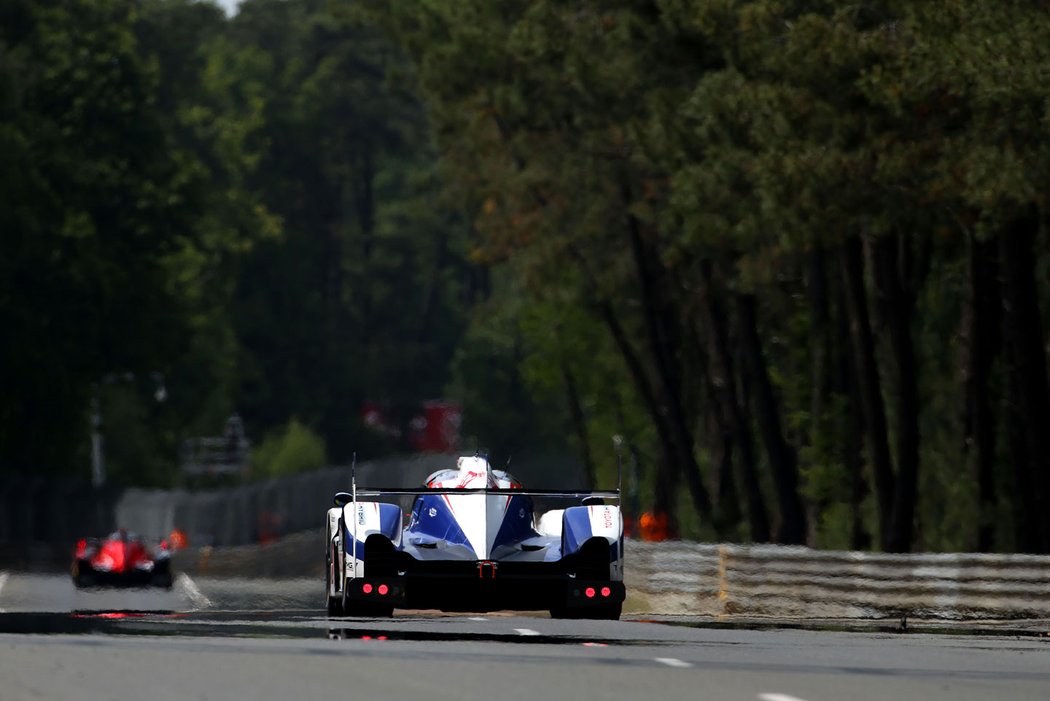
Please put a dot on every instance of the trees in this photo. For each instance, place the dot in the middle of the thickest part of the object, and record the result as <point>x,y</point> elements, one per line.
<point>98,225</point>
<point>688,173</point>
<point>791,253</point>
<point>359,299</point>
<point>243,208</point>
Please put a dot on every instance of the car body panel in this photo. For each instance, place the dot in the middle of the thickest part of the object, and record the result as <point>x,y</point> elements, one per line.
<point>120,559</point>
<point>474,542</point>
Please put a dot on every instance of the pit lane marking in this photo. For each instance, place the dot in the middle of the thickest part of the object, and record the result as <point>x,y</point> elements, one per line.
<point>193,591</point>
<point>672,662</point>
<point>526,631</point>
<point>4,576</point>
<point>778,697</point>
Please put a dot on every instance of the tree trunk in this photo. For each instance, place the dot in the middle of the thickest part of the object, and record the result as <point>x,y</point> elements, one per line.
<point>665,496</point>
<point>892,269</point>
<point>1026,365</point>
<point>659,326</point>
<point>676,448</point>
<point>579,421</point>
<point>821,369</point>
<point>982,336</point>
<point>782,459</point>
<point>364,204</point>
<point>724,383</point>
<point>869,387</point>
<point>849,422</point>
<point>726,504</point>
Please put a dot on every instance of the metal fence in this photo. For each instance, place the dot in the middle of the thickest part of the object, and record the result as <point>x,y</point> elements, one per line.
<point>259,512</point>
<point>41,518</point>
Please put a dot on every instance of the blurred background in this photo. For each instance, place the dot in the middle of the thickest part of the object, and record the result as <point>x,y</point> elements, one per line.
<point>785,262</point>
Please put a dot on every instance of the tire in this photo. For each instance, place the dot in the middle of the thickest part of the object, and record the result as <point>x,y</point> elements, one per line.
<point>334,604</point>
<point>346,607</point>
<point>162,579</point>
<point>83,577</point>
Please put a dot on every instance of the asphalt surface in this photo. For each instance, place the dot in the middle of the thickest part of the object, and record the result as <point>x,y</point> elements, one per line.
<point>269,639</point>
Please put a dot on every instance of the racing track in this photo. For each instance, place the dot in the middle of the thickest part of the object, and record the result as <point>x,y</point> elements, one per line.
<point>231,639</point>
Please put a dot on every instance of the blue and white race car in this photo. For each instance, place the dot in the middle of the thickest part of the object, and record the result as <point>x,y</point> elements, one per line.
<point>473,542</point>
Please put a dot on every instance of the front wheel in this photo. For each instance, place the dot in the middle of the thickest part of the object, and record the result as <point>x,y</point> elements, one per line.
<point>83,576</point>
<point>334,603</point>
<point>162,579</point>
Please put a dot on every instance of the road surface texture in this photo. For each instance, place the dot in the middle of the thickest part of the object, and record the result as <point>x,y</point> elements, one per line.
<point>269,639</point>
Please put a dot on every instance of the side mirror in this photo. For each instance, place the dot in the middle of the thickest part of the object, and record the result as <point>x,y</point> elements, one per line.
<point>341,499</point>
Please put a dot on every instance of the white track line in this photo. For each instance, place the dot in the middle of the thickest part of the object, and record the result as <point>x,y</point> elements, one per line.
<point>194,592</point>
<point>778,697</point>
<point>477,618</point>
<point>526,631</point>
<point>672,662</point>
<point>3,580</point>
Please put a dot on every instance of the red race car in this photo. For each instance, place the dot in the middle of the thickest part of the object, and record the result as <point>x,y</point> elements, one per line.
<point>121,559</point>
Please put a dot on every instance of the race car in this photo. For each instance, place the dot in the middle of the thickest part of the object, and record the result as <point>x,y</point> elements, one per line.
<point>121,559</point>
<point>473,542</point>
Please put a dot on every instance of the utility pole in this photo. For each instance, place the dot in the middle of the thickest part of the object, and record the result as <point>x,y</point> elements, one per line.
<point>98,467</point>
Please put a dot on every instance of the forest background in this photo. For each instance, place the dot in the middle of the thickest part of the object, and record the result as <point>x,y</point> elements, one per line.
<point>788,257</point>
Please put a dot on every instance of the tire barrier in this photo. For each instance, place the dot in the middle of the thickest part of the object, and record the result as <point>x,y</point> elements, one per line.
<point>758,581</point>
<point>796,582</point>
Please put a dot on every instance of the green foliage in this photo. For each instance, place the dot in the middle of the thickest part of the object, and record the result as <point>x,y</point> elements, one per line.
<point>136,451</point>
<point>550,213</point>
<point>288,450</point>
<point>247,207</point>
<point>358,300</point>
<point>744,137</point>
<point>99,229</point>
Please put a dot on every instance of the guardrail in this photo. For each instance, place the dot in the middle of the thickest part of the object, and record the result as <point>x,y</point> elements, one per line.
<point>753,581</point>
<point>777,581</point>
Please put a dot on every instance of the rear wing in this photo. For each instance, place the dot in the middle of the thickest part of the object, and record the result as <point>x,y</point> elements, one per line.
<point>422,491</point>
<point>351,497</point>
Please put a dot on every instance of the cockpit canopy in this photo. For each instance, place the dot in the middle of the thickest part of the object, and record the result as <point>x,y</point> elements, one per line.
<point>124,536</point>
<point>473,472</point>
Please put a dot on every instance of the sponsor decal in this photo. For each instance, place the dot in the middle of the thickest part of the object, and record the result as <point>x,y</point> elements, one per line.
<point>432,512</point>
<point>521,512</point>
<point>360,515</point>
